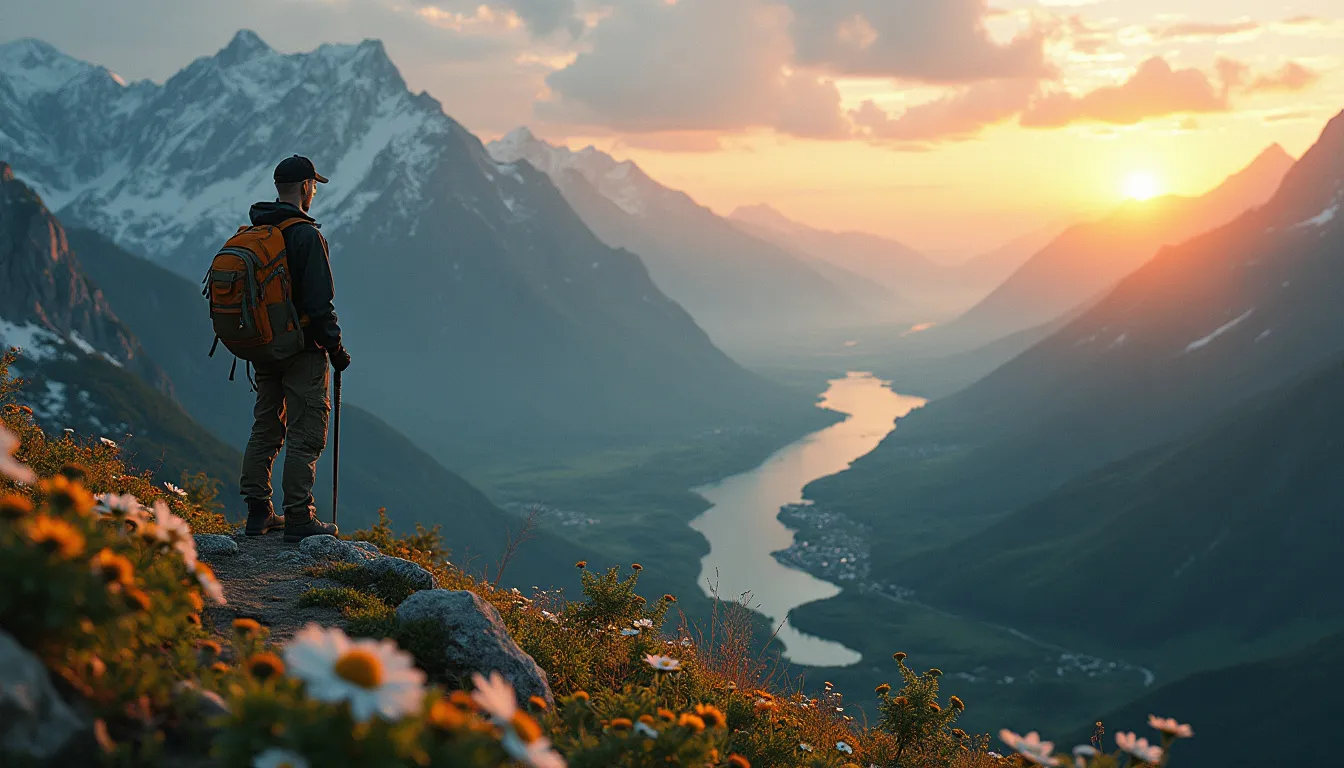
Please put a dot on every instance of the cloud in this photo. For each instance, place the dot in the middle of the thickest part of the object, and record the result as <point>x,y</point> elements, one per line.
<point>1199,30</point>
<point>1292,76</point>
<point>958,116</point>
<point>541,17</point>
<point>942,41</point>
<point>694,65</point>
<point>1154,90</point>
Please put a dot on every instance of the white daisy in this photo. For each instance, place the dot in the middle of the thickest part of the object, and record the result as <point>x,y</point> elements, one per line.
<point>646,730</point>
<point>1083,753</point>
<point>805,747</point>
<point>843,747</point>
<point>9,467</point>
<point>116,502</point>
<point>205,576</point>
<point>1031,747</point>
<point>279,758</point>
<point>1140,748</point>
<point>629,632</point>
<point>686,642</point>
<point>174,489</point>
<point>373,676</point>
<point>1170,727</point>
<point>495,696</point>
<point>663,663</point>
<point>644,624</point>
<point>109,443</point>
<point>174,531</point>
<point>551,617</point>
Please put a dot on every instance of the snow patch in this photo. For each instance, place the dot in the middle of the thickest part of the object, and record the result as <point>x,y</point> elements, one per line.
<point>1320,219</point>
<point>1264,334</point>
<point>37,343</point>
<point>1224,328</point>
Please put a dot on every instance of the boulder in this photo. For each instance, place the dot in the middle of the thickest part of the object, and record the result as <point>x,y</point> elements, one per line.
<point>327,548</point>
<point>209,546</point>
<point>416,576</point>
<point>477,640</point>
<point>367,546</point>
<point>34,721</point>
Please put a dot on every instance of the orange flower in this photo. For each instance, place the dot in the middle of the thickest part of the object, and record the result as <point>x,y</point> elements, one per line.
<point>694,722</point>
<point>884,688</point>
<point>621,724</point>
<point>581,564</point>
<point>636,567</point>
<point>711,716</point>
<point>934,706</point>
<point>538,702</point>
<point>900,656</point>
<point>738,761</point>
<point>56,536</point>
<point>246,626</point>
<point>526,728</point>
<point>265,665</point>
<point>138,599</point>
<point>581,696</point>
<point>956,703</point>
<point>197,603</point>
<point>209,648</point>
<point>15,507</point>
<point>113,568</point>
<point>66,494</point>
<point>667,715</point>
<point>446,716</point>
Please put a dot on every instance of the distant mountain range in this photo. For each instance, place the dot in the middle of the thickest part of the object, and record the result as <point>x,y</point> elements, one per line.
<point>924,290</point>
<point>741,288</point>
<point>1200,328</point>
<point>1087,260</point>
<point>484,315</point>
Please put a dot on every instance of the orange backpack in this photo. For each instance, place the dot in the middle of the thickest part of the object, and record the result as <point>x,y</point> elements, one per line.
<point>251,294</point>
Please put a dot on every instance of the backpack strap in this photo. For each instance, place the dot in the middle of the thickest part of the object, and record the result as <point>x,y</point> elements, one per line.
<point>287,223</point>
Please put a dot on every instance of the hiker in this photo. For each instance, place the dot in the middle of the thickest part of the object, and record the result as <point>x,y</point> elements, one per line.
<point>292,396</point>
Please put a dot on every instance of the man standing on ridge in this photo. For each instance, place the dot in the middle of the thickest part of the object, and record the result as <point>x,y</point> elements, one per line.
<point>292,398</point>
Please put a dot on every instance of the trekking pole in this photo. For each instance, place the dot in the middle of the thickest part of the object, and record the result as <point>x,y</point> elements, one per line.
<point>336,451</point>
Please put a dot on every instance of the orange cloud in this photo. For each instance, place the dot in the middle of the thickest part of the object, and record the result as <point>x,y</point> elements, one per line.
<point>1154,90</point>
<point>1292,76</point>
<point>961,115</point>
<point>1202,30</point>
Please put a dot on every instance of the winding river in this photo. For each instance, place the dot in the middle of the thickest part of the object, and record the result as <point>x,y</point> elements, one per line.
<point>743,528</point>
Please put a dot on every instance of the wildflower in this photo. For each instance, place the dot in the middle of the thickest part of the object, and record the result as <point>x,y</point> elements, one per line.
<point>1140,748</point>
<point>194,618</point>
<point>1170,727</point>
<point>246,626</point>
<point>15,507</point>
<point>663,663</point>
<point>173,489</point>
<point>265,665</point>
<point>495,696</point>
<point>712,716</point>
<point>645,729</point>
<point>669,599</point>
<point>960,734</point>
<point>686,642</point>
<point>644,624</point>
<point>447,717</point>
<point>900,656</point>
<point>538,702</point>
<point>843,747</point>
<point>279,758</point>
<point>935,707</point>
<point>209,648</point>
<point>738,761</point>
<point>694,722</point>
<point>10,467</point>
<point>805,747</point>
<point>525,728</point>
<point>667,715</point>
<point>935,672</point>
<point>56,536</point>
<point>107,442</point>
<point>174,531</point>
<point>956,703</point>
<point>629,632</point>
<point>1032,749</point>
<point>374,677</point>
<point>883,689</point>
<point>636,567</point>
<point>763,705</point>
<point>621,724</point>
<point>219,667</point>
<point>194,597</point>
<point>551,617</point>
<point>581,696</point>
<point>205,575</point>
<point>114,503</point>
<point>581,564</point>
<point>1083,753</point>
<point>114,569</point>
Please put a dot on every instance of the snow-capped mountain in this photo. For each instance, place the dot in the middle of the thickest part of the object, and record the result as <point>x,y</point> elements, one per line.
<point>742,288</point>
<point>474,300</point>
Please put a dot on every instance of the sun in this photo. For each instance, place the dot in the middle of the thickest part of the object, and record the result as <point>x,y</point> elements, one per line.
<point>1141,185</point>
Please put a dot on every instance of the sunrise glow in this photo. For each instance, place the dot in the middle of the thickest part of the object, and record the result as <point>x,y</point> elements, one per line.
<point>1142,185</point>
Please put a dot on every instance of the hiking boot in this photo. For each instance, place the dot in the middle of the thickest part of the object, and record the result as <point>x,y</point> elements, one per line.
<point>261,519</point>
<point>296,532</point>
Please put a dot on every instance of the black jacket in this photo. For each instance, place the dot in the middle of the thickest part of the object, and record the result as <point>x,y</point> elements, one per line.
<point>310,266</point>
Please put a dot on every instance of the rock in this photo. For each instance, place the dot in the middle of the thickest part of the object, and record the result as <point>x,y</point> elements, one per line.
<point>209,545</point>
<point>34,720</point>
<point>208,704</point>
<point>330,548</point>
<point>477,640</point>
<point>416,576</point>
<point>294,559</point>
<point>368,546</point>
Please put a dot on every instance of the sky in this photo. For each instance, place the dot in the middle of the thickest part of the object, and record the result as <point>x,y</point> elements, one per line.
<point>952,125</point>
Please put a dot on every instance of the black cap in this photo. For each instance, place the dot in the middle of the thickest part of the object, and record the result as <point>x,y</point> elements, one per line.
<point>296,168</point>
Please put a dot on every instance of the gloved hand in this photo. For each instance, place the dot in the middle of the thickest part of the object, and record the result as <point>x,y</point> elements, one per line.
<point>340,359</point>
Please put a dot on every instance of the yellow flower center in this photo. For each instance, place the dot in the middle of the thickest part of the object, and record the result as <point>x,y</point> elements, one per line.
<point>361,668</point>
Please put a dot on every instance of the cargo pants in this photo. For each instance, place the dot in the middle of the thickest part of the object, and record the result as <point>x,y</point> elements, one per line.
<point>292,402</point>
